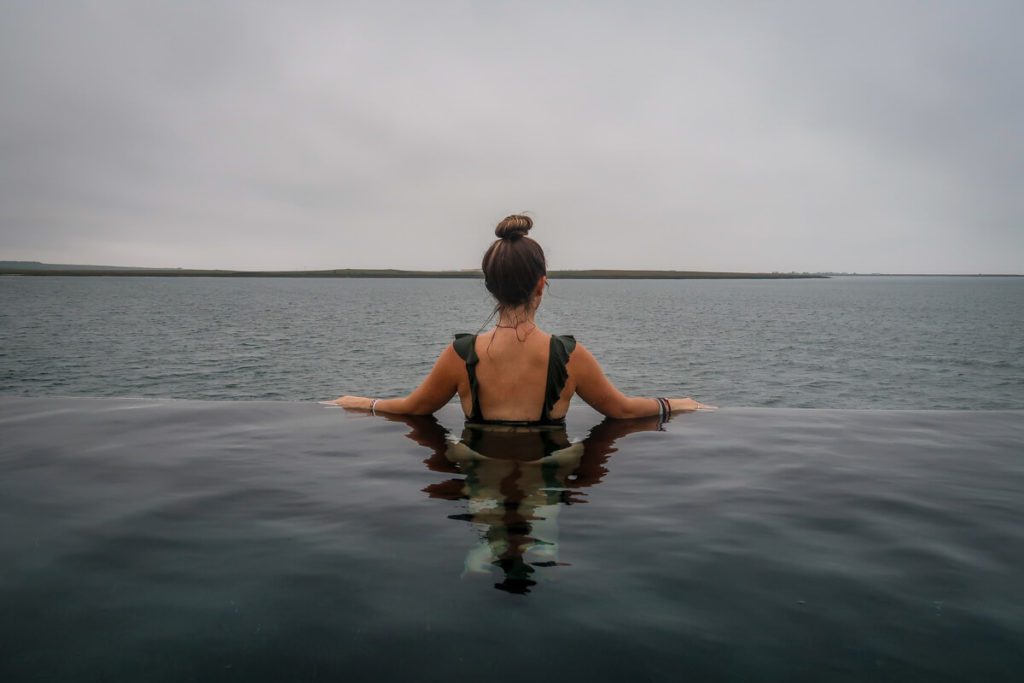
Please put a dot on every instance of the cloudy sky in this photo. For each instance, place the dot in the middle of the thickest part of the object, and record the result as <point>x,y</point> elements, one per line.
<point>823,136</point>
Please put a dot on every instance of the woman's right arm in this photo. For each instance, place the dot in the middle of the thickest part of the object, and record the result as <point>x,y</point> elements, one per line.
<point>597,390</point>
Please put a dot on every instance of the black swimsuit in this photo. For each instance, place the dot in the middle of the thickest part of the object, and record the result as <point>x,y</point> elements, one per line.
<point>558,356</point>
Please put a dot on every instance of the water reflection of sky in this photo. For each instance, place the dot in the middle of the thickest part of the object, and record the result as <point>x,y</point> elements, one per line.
<point>268,541</point>
<point>514,482</point>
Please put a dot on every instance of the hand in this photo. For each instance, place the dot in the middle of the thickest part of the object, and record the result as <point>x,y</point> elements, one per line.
<point>355,402</point>
<point>686,405</point>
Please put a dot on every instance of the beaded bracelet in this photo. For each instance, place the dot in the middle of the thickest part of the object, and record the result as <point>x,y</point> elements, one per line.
<point>665,408</point>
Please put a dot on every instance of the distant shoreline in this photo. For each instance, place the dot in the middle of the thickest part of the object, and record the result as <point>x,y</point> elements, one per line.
<point>55,270</point>
<point>401,274</point>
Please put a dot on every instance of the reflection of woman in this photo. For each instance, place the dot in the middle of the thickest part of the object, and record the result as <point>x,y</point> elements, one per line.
<point>516,373</point>
<point>514,480</point>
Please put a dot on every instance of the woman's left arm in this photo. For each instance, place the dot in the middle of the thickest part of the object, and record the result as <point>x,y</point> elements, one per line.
<point>435,391</point>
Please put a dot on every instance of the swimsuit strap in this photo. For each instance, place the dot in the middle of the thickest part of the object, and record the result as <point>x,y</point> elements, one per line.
<point>561,347</point>
<point>558,356</point>
<point>465,346</point>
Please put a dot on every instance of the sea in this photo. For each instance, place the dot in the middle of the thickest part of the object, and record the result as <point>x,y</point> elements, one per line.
<point>848,342</point>
<point>176,505</point>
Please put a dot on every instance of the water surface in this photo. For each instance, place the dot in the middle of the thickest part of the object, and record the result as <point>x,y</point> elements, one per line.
<point>923,343</point>
<point>181,540</point>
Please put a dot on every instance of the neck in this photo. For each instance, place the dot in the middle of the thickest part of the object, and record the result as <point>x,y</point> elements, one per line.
<point>516,317</point>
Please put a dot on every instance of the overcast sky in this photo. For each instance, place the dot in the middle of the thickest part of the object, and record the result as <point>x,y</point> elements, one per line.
<point>819,136</point>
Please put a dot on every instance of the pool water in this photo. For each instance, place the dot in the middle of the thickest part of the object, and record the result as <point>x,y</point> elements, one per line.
<point>166,540</point>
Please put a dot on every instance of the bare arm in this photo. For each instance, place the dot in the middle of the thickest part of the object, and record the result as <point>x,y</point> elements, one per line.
<point>596,389</point>
<point>435,391</point>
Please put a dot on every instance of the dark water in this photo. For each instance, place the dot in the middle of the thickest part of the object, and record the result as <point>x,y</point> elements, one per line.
<point>153,540</point>
<point>921,343</point>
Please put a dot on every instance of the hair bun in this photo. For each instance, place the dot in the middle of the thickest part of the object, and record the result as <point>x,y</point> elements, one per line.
<point>513,227</point>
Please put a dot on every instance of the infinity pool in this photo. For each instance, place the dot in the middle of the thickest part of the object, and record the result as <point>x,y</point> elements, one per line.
<point>161,540</point>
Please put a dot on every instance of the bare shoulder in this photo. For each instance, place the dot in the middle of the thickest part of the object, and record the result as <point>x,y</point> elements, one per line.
<point>449,358</point>
<point>446,373</point>
<point>582,361</point>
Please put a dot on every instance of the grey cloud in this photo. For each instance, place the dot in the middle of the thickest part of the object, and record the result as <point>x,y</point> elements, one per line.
<point>800,136</point>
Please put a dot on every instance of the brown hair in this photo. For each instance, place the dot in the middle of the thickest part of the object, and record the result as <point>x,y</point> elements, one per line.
<point>514,263</point>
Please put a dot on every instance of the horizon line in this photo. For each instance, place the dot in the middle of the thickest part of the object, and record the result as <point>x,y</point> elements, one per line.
<point>42,268</point>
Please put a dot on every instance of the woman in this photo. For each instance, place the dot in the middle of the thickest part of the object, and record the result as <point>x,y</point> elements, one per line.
<point>516,373</point>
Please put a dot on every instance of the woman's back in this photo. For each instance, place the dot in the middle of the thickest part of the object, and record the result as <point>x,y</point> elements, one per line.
<point>517,375</point>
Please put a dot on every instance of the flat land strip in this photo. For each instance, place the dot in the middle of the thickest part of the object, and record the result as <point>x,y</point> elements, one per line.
<point>43,269</point>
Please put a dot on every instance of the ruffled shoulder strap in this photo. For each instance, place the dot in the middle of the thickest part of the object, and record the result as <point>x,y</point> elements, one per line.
<point>568,342</point>
<point>465,346</point>
<point>562,346</point>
